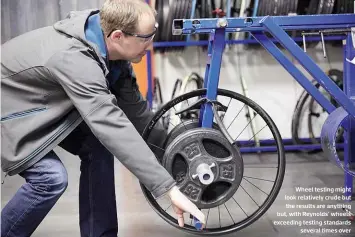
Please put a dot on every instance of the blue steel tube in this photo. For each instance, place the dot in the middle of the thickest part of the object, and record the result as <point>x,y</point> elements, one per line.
<point>149,76</point>
<point>213,75</point>
<point>207,73</point>
<point>349,136</point>
<point>309,65</point>
<point>294,71</point>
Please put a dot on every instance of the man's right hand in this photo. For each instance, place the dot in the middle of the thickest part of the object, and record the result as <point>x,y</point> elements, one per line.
<point>182,204</point>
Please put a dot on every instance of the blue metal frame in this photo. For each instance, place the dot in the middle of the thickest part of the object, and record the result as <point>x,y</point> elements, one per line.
<point>308,22</point>
<point>349,88</point>
<point>276,26</point>
<point>149,75</point>
<point>246,41</point>
<point>288,22</point>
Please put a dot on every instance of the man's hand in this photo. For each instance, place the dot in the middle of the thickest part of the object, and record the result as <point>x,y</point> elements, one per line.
<point>182,204</point>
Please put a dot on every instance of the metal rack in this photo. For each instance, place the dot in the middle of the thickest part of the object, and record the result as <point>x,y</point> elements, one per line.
<point>276,26</point>
<point>266,145</point>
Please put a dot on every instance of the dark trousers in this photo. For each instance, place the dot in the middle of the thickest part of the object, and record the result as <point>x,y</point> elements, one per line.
<point>47,180</point>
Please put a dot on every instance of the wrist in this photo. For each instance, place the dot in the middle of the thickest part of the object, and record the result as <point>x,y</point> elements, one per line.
<point>173,190</point>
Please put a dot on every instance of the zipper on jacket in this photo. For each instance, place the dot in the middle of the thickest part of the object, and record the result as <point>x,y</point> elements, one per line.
<point>22,114</point>
<point>46,143</point>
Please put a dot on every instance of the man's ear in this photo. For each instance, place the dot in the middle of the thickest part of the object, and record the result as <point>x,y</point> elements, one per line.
<point>116,35</point>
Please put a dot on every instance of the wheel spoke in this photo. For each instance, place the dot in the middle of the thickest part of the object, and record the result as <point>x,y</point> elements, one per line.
<point>168,207</point>
<point>250,141</point>
<point>240,207</point>
<point>180,119</point>
<point>249,196</point>
<point>256,187</point>
<point>227,108</point>
<point>156,146</point>
<point>219,217</point>
<point>272,181</point>
<point>229,213</point>
<point>236,117</point>
<point>208,213</point>
<point>245,127</point>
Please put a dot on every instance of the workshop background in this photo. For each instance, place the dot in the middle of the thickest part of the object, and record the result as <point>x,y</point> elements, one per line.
<point>246,68</point>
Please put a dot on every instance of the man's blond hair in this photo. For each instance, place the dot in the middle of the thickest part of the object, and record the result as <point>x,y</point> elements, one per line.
<point>123,14</point>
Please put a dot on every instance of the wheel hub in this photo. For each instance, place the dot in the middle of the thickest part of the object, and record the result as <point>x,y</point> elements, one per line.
<point>206,167</point>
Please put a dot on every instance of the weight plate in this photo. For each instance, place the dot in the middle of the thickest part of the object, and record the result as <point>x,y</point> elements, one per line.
<point>182,127</point>
<point>206,167</point>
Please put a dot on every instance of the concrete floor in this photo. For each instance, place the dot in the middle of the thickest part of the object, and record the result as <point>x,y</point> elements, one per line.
<point>136,218</point>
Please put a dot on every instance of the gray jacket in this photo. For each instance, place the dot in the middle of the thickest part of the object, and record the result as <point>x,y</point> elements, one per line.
<point>52,80</point>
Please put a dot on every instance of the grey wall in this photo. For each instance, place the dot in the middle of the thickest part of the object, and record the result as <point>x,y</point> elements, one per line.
<point>20,16</point>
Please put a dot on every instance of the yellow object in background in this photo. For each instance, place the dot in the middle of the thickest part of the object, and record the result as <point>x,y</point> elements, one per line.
<point>141,71</point>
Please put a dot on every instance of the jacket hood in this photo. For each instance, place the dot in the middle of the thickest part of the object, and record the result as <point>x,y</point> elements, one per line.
<point>74,24</point>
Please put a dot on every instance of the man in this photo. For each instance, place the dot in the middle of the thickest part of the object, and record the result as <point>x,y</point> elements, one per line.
<point>72,85</point>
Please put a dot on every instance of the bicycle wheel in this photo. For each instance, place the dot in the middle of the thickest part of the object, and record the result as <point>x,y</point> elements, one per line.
<point>317,114</point>
<point>300,113</point>
<point>157,101</point>
<point>251,191</point>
